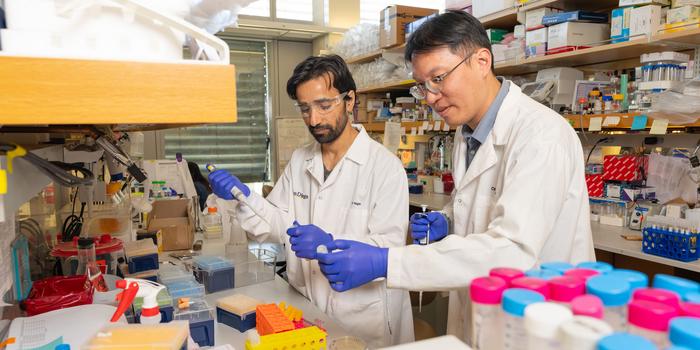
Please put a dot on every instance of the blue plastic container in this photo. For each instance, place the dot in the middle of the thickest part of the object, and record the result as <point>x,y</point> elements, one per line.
<point>202,332</point>
<point>542,273</point>
<point>215,273</point>
<point>186,289</point>
<point>201,318</point>
<point>143,263</point>
<point>670,244</point>
<point>240,322</point>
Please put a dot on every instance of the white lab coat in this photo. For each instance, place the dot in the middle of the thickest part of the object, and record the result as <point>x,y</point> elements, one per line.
<point>365,198</point>
<point>522,201</point>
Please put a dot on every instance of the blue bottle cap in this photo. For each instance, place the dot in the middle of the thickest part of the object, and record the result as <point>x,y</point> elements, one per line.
<point>685,331</point>
<point>559,266</point>
<point>678,348</point>
<point>62,347</point>
<point>542,273</point>
<point>611,290</point>
<point>692,297</point>
<point>515,300</point>
<point>625,341</point>
<point>679,285</point>
<point>636,279</point>
<point>599,266</point>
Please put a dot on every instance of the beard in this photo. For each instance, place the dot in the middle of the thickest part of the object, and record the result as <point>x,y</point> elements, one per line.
<point>333,133</point>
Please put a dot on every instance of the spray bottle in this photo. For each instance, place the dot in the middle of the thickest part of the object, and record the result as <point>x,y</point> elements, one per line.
<point>148,290</point>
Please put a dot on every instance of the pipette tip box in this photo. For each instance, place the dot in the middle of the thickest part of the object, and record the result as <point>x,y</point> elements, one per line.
<point>216,273</point>
<point>201,318</point>
<point>237,311</point>
<point>166,336</point>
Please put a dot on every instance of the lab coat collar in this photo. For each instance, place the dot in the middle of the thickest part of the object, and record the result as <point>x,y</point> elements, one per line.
<point>486,156</point>
<point>358,153</point>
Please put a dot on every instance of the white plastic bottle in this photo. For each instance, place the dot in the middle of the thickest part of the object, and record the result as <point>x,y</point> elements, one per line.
<point>515,300</point>
<point>486,294</point>
<point>615,293</point>
<point>542,322</point>
<point>582,333</point>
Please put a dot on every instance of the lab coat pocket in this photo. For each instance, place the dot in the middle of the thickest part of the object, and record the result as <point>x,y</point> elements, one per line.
<point>362,311</point>
<point>483,212</point>
<point>356,223</point>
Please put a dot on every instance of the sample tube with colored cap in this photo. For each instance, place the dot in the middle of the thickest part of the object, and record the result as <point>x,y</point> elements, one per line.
<point>486,294</point>
<point>615,294</point>
<point>515,300</point>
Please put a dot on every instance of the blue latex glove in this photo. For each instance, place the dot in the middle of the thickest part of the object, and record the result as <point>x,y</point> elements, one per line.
<point>222,182</point>
<point>421,221</point>
<point>358,263</point>
<point>306,238</point>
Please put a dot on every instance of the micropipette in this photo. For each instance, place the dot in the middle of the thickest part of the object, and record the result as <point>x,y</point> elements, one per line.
<point>424,241</point>
<point>236,193</point>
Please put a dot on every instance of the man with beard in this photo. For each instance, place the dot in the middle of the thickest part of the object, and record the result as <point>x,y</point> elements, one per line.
<point>345,185</point>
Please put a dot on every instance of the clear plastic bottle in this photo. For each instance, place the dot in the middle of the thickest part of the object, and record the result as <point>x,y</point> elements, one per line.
<point>505,273</point>
<point>650,320</point>
<point>685,331</point>
<point>587,305</point>
<point>607,103</point>
<point>657,295</point>
<point>542,322</point>
<point>515,300</point>
<point>213,225</point>
<point>559,266</point>
<point>624,341</point>
<point>615,294</point>
<point>87,264</point>
<point>599,266</point>
<point>583,333</point>
<point>532,283</point>
<point>636,279</point>
<point>564,289</point>
<point>487,320</point>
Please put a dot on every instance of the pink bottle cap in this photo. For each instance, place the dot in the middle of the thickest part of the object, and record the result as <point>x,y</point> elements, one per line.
<point>651,315</point>
<point>690,309</point>
<point>587,305</point>
<point>505,273</point>
<point>583,274</point>
<point>662,296</point>
<point>487,290</point>
<point>532,283</point>
<point>566,288</point>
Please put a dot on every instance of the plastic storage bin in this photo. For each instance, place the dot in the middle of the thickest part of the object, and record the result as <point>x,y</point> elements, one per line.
<point>216,273</point>
<point>165,304</point>
<point>185,289</point>
<point>676,239</point>
<point>141,255</point>
<point>201,318</point>
<point>237,311</point>
<point>165,336</point>
<point>59,292</point>
<point>173,275</point>
<point>253,266</point>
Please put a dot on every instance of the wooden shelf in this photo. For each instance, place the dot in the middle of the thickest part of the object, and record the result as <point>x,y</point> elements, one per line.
<point>40,91</point>
<point>396,85</point>
<point>369,57</point>
<point>505,19</point>
<point>379,126</point>
<point>625,123</point>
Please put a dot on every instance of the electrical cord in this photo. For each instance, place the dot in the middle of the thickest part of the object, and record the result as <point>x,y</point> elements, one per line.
<point>588,158</point>
<point>73,225</point>
<point>57,173</point>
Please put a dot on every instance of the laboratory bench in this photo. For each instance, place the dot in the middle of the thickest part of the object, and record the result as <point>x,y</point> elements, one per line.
<point>609,244</point>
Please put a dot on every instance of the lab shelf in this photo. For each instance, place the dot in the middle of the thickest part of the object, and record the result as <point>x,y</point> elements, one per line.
<point>368,57</point>
<point>625,123</point>
<point>74,91</point>
<point>508,18</point>
<point>379,126</point>
<point>391,86</point>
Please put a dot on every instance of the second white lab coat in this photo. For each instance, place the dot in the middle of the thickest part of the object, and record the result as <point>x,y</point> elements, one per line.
<point>365,198</point>
<point>523,201</point>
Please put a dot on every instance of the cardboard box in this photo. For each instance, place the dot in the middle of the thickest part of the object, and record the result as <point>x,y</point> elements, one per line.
<point>393,21</point>
<point>645,20</point>
<point>594,183</point>
<point>481,8</point>
<point>413,26</point>
<point>682,14</point>
<point>536,42</point>
<point>576,34</point>
<point>533,18</point>
<point>620,24</point>
<point>175,218</point>
<point>644,2</point>
<point>574,16</point>
<point>679,3</point>
<point>519,31</point>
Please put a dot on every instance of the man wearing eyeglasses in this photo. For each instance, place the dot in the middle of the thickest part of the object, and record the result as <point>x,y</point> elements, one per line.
<point>345,185</point>
<point>520,196</point>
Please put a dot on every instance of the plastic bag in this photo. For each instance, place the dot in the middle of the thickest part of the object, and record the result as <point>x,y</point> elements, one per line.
<point>678,107</point>
<point>215,15</point>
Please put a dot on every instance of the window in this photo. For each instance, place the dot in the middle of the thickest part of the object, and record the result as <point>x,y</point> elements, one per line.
<point>243,147</point>
<point>300,10</point>
<point>258,8</point>
<point>370,9</point>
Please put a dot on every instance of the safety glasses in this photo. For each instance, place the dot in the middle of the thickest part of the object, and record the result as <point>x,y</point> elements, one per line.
<point>322,106</point>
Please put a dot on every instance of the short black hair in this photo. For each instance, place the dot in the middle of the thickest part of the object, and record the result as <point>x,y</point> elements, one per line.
<point>458,30</point>
<point>316,66</point>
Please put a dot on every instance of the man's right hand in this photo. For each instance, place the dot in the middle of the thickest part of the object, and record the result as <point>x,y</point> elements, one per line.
<point>222,183</point>
<point>420,222</point>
